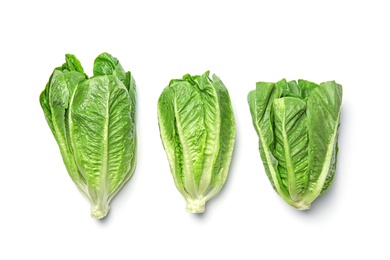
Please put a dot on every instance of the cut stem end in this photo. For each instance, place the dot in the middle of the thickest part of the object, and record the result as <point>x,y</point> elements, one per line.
<point>301,206</point>
<point>99,211</point>
<point>196,206</point>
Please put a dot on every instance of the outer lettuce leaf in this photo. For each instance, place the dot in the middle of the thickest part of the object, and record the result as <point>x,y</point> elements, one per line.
<point>55,100</point>
<point>260,104</point>
<point>106,64</point>
<point>101,129</point>
<point>297,125</point>
<point>197,130</point>
<point>323,110</point>
<point>291,142</point>
<point>226,139</point>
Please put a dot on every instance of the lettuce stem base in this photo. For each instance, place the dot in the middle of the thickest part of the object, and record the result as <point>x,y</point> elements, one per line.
<point>99,211</point>
<point>196,206</point>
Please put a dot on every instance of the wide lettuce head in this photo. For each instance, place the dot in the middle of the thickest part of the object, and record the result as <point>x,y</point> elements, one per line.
<point>297,125</point>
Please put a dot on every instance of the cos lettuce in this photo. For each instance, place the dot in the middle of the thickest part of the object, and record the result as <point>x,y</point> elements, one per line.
<point>297,125</point>
<point>93,122</point>
<point>198,131</point>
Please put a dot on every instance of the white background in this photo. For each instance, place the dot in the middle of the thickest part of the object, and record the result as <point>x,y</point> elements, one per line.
<point>43,216</point>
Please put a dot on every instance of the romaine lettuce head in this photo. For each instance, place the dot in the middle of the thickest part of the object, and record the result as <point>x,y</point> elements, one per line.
<point>93,122</point>
<point>297,125</point>
<point>197,130</point>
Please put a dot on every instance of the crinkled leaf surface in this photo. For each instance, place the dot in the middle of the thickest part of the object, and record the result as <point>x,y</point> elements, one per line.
<point>323,110</point>
<point>106,64</point>
<point>291,140</point>
<point>101,129</point>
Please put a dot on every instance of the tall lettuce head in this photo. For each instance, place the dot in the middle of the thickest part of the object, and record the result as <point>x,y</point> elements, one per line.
<point>198,131</point>
<point>297,125</point>
<point>93,122</point>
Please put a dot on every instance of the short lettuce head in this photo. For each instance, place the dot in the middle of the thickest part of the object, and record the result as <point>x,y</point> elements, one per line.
<point>297,125</point>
